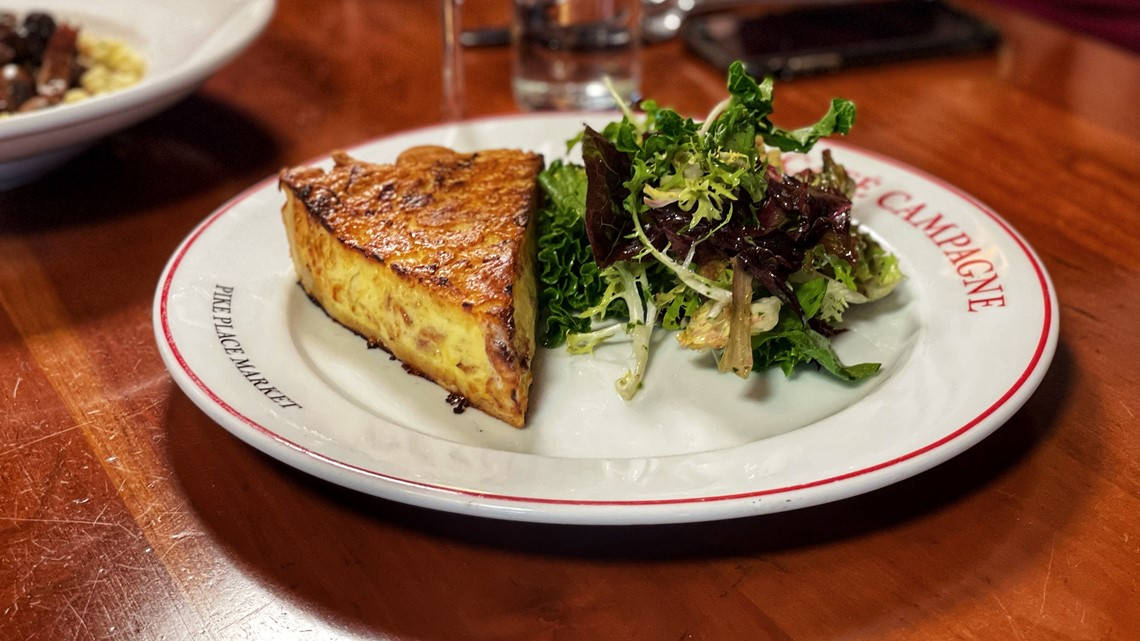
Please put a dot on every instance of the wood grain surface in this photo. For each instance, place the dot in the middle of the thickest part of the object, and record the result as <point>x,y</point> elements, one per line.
<point>126,513</point>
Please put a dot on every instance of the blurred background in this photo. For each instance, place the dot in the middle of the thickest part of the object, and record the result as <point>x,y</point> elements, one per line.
<point>563,49</point>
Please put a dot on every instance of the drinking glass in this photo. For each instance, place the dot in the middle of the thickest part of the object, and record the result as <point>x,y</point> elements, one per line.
<point>453,84</point>
<point>565,50</point>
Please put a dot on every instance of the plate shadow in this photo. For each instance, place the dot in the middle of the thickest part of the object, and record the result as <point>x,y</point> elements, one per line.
<point>288,529</point>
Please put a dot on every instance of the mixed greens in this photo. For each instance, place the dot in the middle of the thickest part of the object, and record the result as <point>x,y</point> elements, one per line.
<point>695,227</point>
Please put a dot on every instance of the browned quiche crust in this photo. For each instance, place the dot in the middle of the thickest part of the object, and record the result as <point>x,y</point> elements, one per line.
<point>431,258</point>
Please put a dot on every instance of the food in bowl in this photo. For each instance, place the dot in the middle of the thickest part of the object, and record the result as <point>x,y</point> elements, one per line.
<point>45,62</point>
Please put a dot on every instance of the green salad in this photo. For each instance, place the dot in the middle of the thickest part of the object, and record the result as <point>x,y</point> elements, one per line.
<point>695,227</point>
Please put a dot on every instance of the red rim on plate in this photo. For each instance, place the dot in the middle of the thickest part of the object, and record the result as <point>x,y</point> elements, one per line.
<point>1042,342</point>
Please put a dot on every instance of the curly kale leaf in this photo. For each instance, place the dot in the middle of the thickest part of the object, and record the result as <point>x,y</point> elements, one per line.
<point>569,281</point>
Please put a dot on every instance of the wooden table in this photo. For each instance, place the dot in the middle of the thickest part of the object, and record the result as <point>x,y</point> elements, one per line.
<point>126,513</point>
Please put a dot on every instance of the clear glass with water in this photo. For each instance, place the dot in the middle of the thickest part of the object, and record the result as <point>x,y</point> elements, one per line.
<point>565,49</point>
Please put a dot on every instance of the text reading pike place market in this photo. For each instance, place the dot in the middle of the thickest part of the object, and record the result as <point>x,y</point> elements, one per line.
<point>222,310</point>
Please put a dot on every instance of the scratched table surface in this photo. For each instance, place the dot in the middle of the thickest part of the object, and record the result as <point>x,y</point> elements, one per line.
<point>126,513</point>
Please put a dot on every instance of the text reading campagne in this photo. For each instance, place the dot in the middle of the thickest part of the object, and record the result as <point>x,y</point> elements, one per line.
<point>979,275</point>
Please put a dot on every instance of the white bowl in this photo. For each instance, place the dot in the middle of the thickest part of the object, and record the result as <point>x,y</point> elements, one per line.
<point>182,43</point>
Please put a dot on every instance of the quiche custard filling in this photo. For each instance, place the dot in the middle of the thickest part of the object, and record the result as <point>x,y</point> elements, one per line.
<point>430,258</point>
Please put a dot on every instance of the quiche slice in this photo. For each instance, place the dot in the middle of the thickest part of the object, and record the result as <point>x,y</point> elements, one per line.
<point>431,258</point>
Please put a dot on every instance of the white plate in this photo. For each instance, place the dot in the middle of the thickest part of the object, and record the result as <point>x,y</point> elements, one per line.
<point>693,445</point>
<point>182,43</point>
